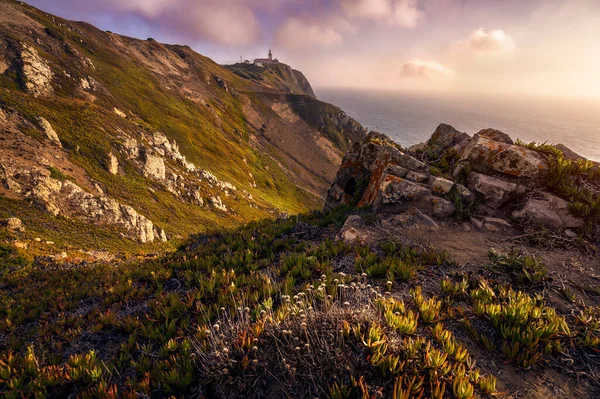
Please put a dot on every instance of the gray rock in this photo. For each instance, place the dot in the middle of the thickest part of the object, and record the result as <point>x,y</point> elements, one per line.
<point>441,208</point>
<point>487,155</point>
<point>496,192</point>
<point>49,131</point>
<point>413,218</point>
<point>218,203</point>
<point>353,230</point>
<point>550,211</point>
<point>37,74</point>
<point>441,186</point>
<point>12,224</point>
<point>540,211</point>
<point>417,177</point>
<point>495,135</point>
<point>396,170</point>
<point>154,166</point>
<point>395,190</point>
<point>476,222</point>
<point>445,138</point>
<point>113,164</point>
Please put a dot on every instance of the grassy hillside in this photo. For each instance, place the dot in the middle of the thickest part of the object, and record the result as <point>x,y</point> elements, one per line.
<point>106,87</point>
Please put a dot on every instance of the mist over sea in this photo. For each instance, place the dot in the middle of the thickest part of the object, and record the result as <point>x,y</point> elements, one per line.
<point>411,118</point>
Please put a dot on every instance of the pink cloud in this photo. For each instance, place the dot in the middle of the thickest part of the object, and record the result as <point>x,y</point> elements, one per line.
<point>482,43</point>
<point>403,13</point>
<point>298,33</point>
<point>422,69</point>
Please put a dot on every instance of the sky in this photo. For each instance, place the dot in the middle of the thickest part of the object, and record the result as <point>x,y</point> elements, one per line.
<point>540,47</point>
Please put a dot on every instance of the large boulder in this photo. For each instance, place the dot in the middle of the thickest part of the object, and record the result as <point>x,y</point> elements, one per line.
<point>363,167</point>
<point>445,138</point>
<point>550,211</point>
<point>485,155</point>
<point>495,192</point>
<point>495,135</point>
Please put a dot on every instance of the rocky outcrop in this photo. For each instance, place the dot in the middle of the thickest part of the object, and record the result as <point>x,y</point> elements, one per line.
<point>67,199</point>
<point>50,133</point>
<point>37,74</point>
<point>12,224</point>
<point>377,173</point>
<point>500,178</point>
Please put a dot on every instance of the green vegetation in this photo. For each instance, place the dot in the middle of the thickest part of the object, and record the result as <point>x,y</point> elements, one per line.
<point>577,181</point>
<point>237,311</point>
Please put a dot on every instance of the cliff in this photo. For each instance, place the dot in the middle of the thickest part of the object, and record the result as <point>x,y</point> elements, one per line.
<point>278,76</point>
<point>151,141</point>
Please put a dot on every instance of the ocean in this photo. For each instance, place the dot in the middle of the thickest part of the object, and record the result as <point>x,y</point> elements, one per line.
<point>411,118</point>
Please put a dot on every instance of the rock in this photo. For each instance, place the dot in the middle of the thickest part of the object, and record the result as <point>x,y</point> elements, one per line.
<point>37,239</point>
<point>50,133</point>
<point>160,234</point>
<point>113,164</point>
<point>476,222</point>
<point>37,74</point>
<point>495,192</point>
<point>497,222</point>
<point>441,186</point>
<point>495,135</point>
<point>395,190</point>
<point>67,199</point>
<point>351,231</point>
<point>445,138</point>
<point>130,147</point>
<point>550,211</point>
<point>490,227</point>
<point>570,154</point>
<point>466,227</point>
<point>397,171</point>
<point>571,234</point>
<point>413,218</point>
<point>417,177</point>
<point>441,208</point>
<point>417,147</point>
<point>20,245</point>
<point>49,242</point>
<point>359,178</point>
<point>119,112</point>
<point>464,193</point>
<point>12,224</point>
<point>541,212</point>
<point>485,155</point>
<point>218,203</point>
<point>154,166</point>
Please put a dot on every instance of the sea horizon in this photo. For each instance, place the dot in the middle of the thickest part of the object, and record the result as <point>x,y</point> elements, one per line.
<point>410,118</point>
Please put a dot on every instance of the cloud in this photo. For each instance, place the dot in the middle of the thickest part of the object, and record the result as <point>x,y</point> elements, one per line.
<point>482,43</point>
<point>299,33</point>
<point>403,13</point>
<point>421,69</point>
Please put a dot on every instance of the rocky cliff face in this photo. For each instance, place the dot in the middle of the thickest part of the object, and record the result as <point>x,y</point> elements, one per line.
<point>475,179</point>
<point>155,140</point>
